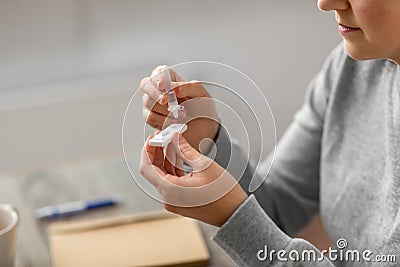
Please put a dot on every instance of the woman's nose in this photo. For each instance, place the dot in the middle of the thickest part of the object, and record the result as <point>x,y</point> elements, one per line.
<point>329,5</point>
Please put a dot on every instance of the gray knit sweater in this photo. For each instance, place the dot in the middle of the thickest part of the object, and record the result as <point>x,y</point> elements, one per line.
<point>339,157</point>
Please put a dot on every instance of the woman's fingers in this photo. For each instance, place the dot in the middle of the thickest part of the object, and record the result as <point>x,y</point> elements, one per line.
<point>154,119</point>
<point>170,160</point>
<point>189,155</point>
<point>149,157</point>
<point>154,85</point>
<point>179,167</point>
<point>158,159</point>
<point>149,87</point>
<point>190,89</point>
<point>158,78</point>
<point>153,105</point>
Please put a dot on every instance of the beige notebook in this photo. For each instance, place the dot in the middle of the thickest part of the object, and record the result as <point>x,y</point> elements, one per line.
<point>152,239</point>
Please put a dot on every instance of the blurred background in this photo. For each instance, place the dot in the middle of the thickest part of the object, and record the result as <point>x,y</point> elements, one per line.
<point>69,67</point>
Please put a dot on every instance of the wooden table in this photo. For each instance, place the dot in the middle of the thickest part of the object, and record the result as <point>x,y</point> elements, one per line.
<point>81,180</point>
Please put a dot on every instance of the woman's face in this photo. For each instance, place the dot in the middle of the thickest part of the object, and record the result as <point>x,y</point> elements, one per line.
<point>370,28</point>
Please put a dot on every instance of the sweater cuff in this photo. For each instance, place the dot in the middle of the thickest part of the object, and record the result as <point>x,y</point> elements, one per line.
<point>248,231</point>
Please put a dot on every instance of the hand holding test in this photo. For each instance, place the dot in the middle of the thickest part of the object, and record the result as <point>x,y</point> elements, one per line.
<point>163,138</point>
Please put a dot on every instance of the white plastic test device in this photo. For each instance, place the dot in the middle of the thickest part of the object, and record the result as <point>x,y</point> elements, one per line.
<point>163,138</point>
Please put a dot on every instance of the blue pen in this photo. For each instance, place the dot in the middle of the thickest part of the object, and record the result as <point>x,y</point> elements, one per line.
<point>75,207</point>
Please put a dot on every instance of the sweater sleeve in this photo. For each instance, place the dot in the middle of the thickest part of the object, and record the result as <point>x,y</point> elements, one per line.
<point>259,242</point>
<point>289,197</point>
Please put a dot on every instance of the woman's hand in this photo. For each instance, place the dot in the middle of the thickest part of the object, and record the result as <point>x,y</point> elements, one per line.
<point>199,111</point>
<point>208,193</point>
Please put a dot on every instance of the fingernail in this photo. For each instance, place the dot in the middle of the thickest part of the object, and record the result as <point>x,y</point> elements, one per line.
<point>181,114</point>
<point>158,84</point>
<point>160,97</point>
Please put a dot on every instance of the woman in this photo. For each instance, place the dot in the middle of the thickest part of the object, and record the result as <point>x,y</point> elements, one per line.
<point>340,156</point>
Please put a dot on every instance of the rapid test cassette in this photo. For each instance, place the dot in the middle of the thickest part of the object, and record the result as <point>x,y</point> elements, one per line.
<point>163,138</point>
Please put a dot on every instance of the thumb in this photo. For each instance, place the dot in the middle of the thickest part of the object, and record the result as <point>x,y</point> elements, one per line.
<point>190,89</point>
<point>190,155</point>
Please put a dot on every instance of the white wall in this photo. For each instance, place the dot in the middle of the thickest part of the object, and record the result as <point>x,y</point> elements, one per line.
<point>68,68</point>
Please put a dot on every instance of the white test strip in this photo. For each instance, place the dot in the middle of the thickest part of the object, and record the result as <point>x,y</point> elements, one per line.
<point>163,138</point>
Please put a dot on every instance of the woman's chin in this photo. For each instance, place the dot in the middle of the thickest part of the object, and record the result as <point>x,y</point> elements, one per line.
<point>358,53</point>
<point>361,52</point>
